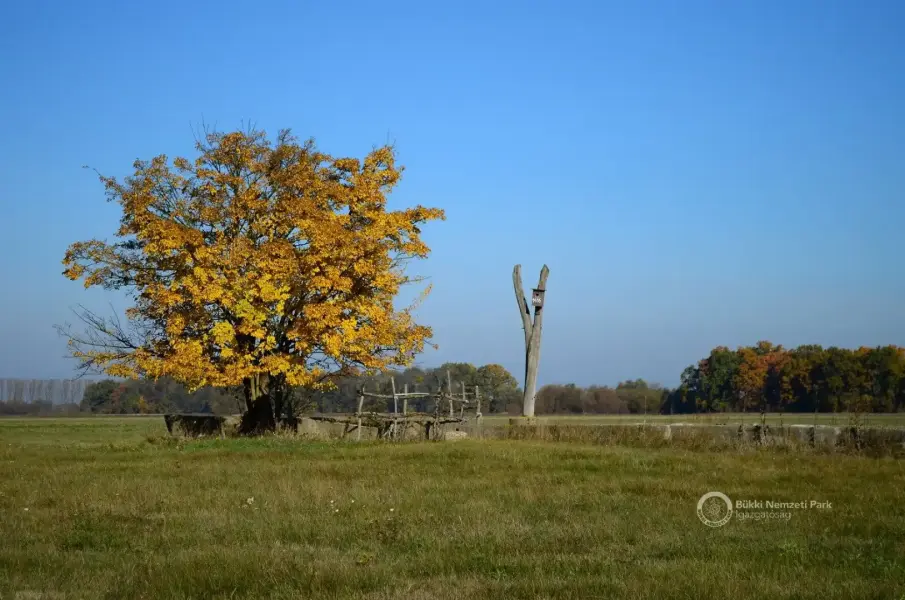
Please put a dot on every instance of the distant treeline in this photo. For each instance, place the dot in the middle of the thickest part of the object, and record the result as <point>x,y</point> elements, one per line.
<point>40,408</point>
<point>148,396</point>
<point>752,378</point>
<point>806,379</point>
<point>499,390</point>
<point>764,377</point>
<point>629,397</point>
<point>52,391</point>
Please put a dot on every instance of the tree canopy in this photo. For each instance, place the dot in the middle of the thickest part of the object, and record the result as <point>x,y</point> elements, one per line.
<point>266,265</point>
<point>807,378</point>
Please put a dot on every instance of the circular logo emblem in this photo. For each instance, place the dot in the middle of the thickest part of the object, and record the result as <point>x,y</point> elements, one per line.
<point>714,509</point>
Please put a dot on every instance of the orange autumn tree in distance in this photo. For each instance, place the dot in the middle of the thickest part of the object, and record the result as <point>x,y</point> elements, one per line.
<point>269,266</point>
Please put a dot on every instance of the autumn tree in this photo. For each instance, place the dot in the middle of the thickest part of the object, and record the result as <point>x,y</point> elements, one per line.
<point>498,387</point>
<point>802,377</point>
<point>98,395</point>
<point>691,392</point>
<point>265,265</point>
<point>639,397</point>
<point>716,379</point>
<point>602,399</point>
<point>559,399</point>
<point>459,373</point>
<point>773,362</point>
<point>807,378</point>
<point>750,378</point>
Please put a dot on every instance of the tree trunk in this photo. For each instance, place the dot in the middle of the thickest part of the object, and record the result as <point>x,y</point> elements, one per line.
<point>259,416</point>
<point>532,336</point>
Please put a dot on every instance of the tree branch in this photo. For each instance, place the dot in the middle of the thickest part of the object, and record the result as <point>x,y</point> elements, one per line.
<point>522,303</point>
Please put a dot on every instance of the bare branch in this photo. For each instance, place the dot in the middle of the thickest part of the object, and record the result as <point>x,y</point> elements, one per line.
<point>542,282</point>
<point>100,334</point>
<point>522,303</point>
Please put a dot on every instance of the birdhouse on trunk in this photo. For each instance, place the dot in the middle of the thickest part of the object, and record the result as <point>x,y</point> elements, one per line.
<point>537,298</point>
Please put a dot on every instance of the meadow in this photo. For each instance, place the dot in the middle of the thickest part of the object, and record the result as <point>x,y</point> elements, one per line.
<point>109,507</point>
<point>751,418</point>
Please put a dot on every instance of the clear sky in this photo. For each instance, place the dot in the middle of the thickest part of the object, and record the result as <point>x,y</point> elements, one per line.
<point>694,173</point>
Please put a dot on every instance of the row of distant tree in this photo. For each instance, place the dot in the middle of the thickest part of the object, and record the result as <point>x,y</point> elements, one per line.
<point>51,391</point>
<point>11,408</point>
<point>136,396</point>
<point>752,378</point>
<point>804,379</point>
<point>499,391</point>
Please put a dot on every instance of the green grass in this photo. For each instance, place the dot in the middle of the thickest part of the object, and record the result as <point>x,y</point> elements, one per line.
<point>114,510</point>
<point>840,419</point>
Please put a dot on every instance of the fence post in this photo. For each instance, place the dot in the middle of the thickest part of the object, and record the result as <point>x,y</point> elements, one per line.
<point>395,407</point>
<point>478,415</point>
<point>361,401</point>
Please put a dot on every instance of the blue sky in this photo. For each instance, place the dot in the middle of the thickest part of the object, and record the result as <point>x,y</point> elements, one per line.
<point>694,173</point>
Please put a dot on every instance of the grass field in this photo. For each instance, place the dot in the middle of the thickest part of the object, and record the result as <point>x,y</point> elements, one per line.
<point>841,419</point>
<point>108,508</point>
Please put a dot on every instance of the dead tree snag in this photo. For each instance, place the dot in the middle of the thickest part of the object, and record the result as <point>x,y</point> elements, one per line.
<point>532,332</point>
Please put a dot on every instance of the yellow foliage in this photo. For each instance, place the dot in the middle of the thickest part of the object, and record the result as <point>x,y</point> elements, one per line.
<point>259,258</point>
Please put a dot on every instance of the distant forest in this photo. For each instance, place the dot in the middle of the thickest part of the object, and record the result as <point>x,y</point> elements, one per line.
<point>806,379</point>
<point>51,391</point>
<point>764,377</point>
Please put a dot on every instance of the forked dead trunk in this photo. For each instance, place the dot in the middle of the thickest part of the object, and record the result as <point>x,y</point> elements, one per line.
<point>532,333</point>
